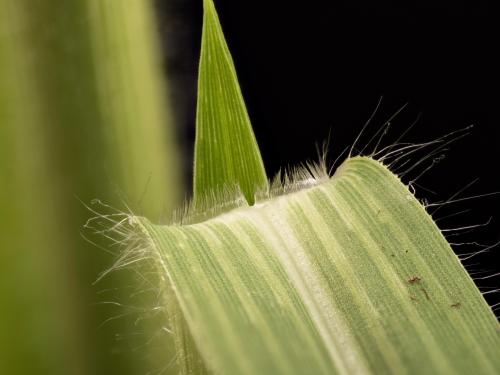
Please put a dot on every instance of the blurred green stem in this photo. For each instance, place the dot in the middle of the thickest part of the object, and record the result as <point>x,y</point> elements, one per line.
<point>83,113</point>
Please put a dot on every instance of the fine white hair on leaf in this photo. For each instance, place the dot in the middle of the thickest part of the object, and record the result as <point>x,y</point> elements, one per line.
<point>118,228</point>
<point>467,227</point>
<point>466,257</point>
<point>227,198</point>
<point>123,229</point>
<point>365,126</point>
<point>143,305</point>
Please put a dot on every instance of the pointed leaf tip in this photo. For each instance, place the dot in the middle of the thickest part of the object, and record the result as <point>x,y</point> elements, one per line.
<point>226,151</point>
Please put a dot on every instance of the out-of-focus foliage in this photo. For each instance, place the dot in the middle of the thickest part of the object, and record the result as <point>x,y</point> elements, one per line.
<point>83,115</point>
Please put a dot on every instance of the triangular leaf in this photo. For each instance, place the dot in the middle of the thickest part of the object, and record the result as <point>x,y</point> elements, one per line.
<point>226,151</point>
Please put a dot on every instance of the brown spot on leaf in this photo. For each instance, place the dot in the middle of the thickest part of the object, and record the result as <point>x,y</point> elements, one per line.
<point>414,280</point>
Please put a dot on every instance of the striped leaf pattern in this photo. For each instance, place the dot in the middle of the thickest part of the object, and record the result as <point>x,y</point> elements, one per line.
<point>226,151</point>
<point>351,276</point>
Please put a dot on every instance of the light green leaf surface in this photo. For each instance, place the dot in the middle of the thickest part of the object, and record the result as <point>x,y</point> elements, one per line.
<point>350,276</point>
<point>226,152</point>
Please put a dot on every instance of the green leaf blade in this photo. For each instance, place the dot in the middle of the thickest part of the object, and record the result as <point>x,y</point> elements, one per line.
<point>350,276</point>
<point>226,151</point>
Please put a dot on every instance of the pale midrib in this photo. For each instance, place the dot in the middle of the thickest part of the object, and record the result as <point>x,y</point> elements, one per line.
<point>280,358</point>
<point>350,281</point>
<point>240,367</point>
<point>329,328</point>
<point>288,291</point>
<point>320,239</point>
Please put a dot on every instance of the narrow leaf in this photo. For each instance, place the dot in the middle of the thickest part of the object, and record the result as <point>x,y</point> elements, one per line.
<point>226,151</point>
<point>351,276</point>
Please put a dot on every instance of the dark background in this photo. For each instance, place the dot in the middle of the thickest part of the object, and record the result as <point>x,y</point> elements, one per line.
<point>315,70</point>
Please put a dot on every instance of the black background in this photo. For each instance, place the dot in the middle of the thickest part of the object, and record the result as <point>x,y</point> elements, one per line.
<point>315,70</point>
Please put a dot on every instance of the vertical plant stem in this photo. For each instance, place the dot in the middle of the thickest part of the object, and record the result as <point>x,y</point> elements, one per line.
<point>83,114</point>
